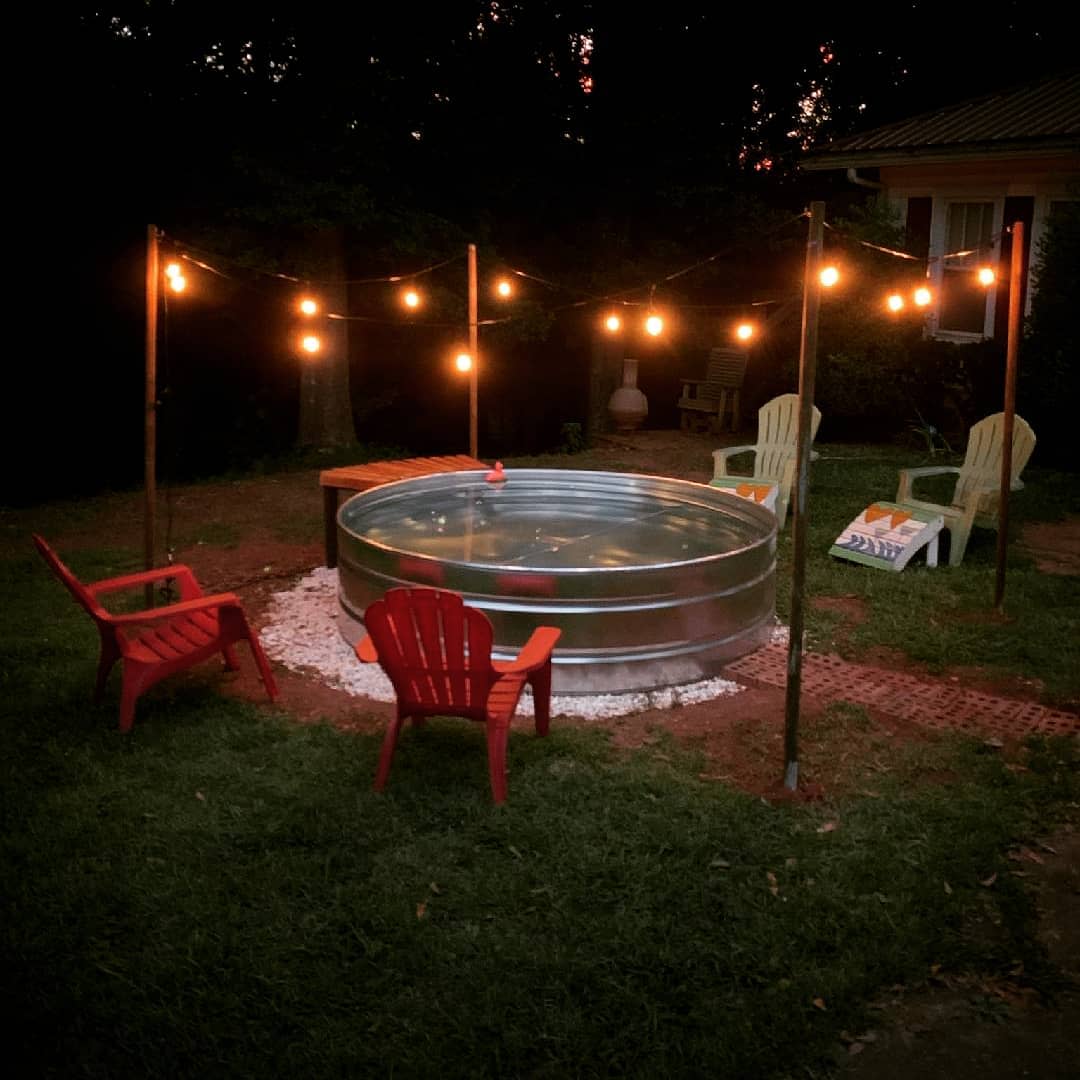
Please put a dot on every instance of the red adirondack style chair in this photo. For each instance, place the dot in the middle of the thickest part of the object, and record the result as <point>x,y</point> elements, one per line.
<point>158,642</point>
<point>437,653</point>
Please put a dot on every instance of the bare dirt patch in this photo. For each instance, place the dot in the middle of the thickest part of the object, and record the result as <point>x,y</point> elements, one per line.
<point>988,1028</point>
<point>850,608</point>
<point>308,700</point>
<point>663,453</point>
<point>1054,545</point>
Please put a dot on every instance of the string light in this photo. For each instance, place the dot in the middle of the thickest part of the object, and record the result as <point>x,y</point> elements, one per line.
<point>504,287</point>
<point>411,299</point>
<point>654,324</point>
<point>175,277</point>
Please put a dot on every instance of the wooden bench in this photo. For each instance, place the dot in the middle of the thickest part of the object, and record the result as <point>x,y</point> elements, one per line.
<point>706,399</point>
<point>362,477</point>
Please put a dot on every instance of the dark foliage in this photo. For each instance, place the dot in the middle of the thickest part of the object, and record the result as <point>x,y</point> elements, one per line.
<point>1049,375</point>
<point>246,129</point>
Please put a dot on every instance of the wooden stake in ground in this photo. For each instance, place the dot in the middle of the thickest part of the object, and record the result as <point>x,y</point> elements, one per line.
<point>807,369</point>
<point>474,371</point>
<point>1012,348</point>
<point>150,406</point>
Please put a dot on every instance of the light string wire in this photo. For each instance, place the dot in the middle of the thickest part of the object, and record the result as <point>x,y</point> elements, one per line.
<point>703,262</point>
<point>618,296</point>
<point>990,245</point>
<point>338,316</point>
<point>183,249</point>
<point>588,299</point>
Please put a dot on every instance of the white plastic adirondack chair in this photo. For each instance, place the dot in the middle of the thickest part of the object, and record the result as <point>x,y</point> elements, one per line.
<point>774,451</point>
<point>978,480</point>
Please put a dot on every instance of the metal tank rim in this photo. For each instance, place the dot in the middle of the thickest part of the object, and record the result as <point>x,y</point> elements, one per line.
<point>638,626</point>
<point>723,499</point>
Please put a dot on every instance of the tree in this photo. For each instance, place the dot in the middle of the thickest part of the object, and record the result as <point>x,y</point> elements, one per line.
<point>599,149</point>
<point>1049,374</point>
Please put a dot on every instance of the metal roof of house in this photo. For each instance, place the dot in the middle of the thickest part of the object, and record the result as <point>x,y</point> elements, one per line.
<point>1036,118</point>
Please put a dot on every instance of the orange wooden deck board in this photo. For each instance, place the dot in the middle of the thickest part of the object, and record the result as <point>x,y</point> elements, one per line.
<point>361,477</point>
<point>372,474</point>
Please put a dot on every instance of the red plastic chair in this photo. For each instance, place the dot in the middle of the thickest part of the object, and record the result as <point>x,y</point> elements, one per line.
<point>437,653</point>
<point>158,642</point>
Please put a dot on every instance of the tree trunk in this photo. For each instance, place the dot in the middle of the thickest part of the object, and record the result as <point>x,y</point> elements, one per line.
<point>605,367</point>
<point>326,416</point>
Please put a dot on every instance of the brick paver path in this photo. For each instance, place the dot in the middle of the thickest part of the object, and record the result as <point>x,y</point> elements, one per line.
<point>923,701</point>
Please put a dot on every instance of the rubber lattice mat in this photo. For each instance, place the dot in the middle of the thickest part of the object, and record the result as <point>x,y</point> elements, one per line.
<point>906,697</point>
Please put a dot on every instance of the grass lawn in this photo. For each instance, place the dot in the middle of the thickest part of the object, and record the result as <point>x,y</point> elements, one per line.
<point>221,893</point>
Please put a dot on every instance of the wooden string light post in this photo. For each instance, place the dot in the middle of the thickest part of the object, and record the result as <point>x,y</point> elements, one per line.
<point>807,370</point>
<point>1011,349</point>
<point>150,406</point>
<point>473,352</point>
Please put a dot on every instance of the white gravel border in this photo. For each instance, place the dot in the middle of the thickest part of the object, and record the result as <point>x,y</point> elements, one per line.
<point>302,633</point>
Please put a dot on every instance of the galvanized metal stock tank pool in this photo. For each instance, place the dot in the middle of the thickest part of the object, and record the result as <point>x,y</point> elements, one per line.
<point>653,581</point>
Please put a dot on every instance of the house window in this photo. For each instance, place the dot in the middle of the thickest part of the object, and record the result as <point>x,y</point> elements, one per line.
<point>968,229</point>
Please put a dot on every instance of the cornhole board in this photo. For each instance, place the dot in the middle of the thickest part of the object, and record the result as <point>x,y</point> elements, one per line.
<point>763,492</point>
<point>887,535</point>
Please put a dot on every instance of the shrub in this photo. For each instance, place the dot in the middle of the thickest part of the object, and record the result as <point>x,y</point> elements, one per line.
<point>1049,365</point>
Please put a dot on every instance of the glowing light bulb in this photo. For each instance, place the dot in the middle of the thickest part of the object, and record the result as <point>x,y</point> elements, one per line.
<point>172,270</point>
<point>744,331</point>
<point>310,343</point>
<point>829,276</point>
<point>504,289</point>
<point>411,298</point>
<point>178,283</point>
<point>463,362</point>
<point>308,306</point>
<point>654,325</point>
<point>895,302</point>
<point>986,275</point>
<point>613,324</point>
<point>922,296</point>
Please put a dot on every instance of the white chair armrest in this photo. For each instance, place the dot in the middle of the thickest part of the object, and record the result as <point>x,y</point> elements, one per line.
<point>909,476</point>
<point>721,456</point>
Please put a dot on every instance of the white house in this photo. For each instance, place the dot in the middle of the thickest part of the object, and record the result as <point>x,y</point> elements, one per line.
<point>959,177</point>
